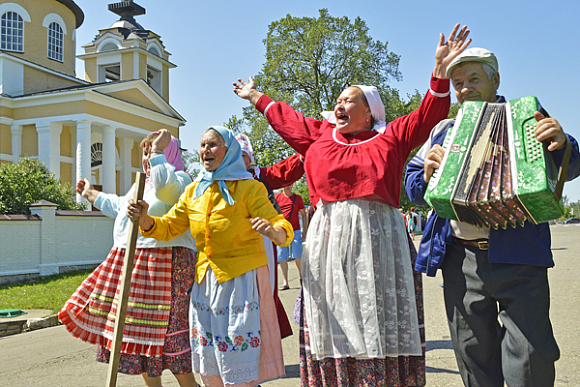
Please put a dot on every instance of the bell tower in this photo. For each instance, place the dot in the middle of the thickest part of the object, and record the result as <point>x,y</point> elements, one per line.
<point>128,51</point>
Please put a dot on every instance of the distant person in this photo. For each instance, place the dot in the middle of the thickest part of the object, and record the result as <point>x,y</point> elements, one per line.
<point>235,335</point>
<point>293,208</point>
<point>496,289</point>
<point>156,333</point>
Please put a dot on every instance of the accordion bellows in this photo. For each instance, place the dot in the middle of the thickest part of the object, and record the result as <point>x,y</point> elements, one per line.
<point>494,172</point>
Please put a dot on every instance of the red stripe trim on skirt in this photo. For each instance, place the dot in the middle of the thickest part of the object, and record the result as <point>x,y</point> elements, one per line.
<point>91,311</point>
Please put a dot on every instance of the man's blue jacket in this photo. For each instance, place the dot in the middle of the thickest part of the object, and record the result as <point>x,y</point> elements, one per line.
<point>527,245</point>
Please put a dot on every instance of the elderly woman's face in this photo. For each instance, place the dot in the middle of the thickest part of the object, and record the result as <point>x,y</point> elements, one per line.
<point>212,150</point>
<point>353,116</point>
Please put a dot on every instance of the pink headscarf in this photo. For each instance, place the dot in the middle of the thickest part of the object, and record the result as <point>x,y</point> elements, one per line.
<point>172,153</point>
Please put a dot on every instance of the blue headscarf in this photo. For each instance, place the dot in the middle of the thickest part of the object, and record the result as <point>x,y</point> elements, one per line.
<point>231,168</point>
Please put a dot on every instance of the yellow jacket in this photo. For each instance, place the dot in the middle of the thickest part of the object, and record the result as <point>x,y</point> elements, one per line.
<point>223,234</point>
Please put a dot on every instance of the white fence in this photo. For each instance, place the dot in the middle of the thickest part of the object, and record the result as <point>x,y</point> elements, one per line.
<point>51,242</point>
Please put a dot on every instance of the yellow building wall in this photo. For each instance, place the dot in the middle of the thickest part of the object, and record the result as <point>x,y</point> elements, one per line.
<point>122,116</point>
<point>66,173</point>
<point>136,97</point>
<point>142,66</point>
<point>166,83</point>
<point>5,139</point>
<point>36,35</point>
<point>29,141</point>
<point>136,157</point>
<point>127,66</point>
<point>49,110</point>
<point>36,80</point>
<point>6,112</point>
<point>91,70</point>
<point>66,142</point>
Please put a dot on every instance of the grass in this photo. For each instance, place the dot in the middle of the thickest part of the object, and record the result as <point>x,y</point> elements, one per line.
<point>49,293</point>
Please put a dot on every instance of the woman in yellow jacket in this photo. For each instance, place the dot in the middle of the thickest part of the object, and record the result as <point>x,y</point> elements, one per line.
<point>235,338</point>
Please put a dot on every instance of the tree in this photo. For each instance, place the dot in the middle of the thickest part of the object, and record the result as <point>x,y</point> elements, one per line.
<point>29,181</point>
<point>191,162</point>
<point>309,61</point>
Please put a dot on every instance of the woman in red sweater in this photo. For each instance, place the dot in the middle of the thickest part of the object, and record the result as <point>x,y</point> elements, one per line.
<point>359,301</point>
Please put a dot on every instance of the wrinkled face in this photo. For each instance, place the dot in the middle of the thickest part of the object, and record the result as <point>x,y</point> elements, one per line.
<point>353,115</point>
<point>247,160</point>
<point>212,150</point>
<point>145,158</point>
<point>471,83</point>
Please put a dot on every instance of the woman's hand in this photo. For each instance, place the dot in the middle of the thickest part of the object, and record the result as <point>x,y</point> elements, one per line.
<point>87,190</point>
<point>447,51</point>
<point>247,90</point>
<point>264,227</point>
<point>138,211</point>
<point>162,141</point>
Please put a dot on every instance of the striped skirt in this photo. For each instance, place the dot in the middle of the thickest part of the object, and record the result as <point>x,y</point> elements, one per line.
<point>91,311</point>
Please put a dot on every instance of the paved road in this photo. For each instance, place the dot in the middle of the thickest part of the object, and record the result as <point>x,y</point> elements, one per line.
<point>52,356</point>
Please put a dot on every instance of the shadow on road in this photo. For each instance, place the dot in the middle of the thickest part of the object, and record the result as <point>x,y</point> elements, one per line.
<point>440,371</point>
<point>438,344</point>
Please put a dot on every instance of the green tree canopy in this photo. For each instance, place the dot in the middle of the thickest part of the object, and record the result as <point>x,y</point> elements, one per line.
<point>29,181</point>
<point>309,62</point>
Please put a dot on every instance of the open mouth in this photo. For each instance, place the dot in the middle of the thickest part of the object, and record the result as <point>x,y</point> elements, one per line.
<point>341,118</point>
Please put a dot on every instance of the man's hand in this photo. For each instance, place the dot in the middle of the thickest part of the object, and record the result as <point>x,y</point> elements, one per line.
<point>433,161</point>
<point>549,129</point>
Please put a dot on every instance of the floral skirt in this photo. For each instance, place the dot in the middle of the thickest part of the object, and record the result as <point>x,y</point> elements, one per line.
<point>156,328</point>
<point>235,337</point>
<point>402,371</point>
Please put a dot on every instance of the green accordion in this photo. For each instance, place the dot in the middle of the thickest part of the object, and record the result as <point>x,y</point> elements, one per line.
<point>494,172</point>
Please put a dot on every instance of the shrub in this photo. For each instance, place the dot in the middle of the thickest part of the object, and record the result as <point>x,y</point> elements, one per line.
<point>30,181</point>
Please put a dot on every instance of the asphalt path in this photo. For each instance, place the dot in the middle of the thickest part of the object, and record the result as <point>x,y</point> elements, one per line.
<point>51,356</point>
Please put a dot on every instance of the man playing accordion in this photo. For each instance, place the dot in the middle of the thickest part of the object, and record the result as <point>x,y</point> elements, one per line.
<point>491,273</point>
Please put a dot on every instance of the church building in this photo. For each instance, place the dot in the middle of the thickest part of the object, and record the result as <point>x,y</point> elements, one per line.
<point>89,127</point>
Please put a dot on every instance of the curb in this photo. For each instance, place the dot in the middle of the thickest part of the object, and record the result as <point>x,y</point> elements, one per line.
<point>8,328</point>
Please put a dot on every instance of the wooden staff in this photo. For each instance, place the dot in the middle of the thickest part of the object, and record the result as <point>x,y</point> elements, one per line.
<point>125,287</point>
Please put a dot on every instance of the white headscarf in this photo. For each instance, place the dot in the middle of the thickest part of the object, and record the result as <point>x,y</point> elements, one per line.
<point>246,146</point>
<point>375,104</point>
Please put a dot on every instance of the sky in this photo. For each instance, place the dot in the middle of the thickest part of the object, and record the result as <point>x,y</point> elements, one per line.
<point>215,42</point>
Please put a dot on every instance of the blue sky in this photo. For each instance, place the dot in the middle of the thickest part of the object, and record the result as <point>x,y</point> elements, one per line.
<point>213,43</point>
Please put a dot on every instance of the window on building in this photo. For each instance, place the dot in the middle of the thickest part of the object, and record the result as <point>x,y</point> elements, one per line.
<point>154,78</point>
<point>55,41</point>
<point>12,32</point>
<point>109,73</point>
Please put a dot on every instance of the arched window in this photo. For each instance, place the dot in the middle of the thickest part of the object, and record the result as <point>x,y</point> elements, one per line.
<point>55,41</point>
<point>12,34</point>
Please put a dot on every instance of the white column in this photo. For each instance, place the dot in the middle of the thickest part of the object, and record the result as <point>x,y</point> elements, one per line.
<point>83,153</point>
<point>16,142</point>
<point>125,147</point>
<point>109,180</point>
<point>49,145</point>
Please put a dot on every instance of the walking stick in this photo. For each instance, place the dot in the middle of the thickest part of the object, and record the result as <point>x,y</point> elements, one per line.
<point>125,287</point>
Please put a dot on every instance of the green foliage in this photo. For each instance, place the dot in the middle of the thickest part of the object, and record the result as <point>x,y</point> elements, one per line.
<point>29,181</point>
<point>191,162</point>
<point>49,293</point>
<point>309,62</point>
